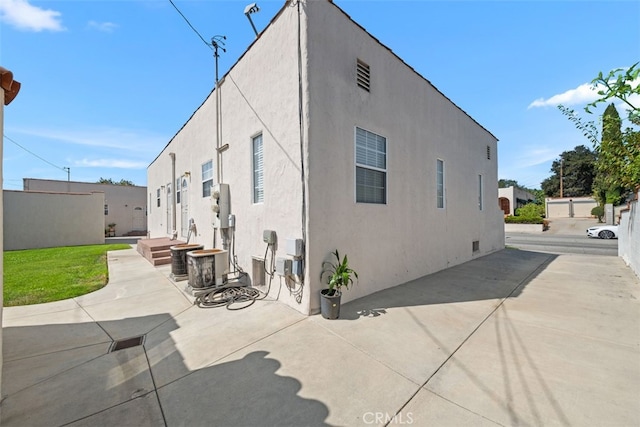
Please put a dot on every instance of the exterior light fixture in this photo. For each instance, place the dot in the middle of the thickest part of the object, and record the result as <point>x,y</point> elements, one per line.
<point>252,8</point>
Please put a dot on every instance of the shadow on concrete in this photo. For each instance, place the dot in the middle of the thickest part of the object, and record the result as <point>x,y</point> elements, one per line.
<point>243,392</point>
<point>56,374</point>
<point>495,276</point>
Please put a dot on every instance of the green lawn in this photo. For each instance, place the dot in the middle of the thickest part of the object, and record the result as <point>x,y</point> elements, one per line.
<point>35,276</point>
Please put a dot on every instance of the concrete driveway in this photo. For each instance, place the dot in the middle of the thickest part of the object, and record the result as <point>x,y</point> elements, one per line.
<point>513,338</point>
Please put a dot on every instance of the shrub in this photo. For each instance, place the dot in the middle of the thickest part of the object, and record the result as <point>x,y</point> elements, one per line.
<point>531,210</point>
<point>599,212</point>
<point>523,220</point>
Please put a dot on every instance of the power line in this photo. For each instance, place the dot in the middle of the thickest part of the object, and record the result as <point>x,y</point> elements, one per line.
<point>189,23</point>
<point>34,154</point>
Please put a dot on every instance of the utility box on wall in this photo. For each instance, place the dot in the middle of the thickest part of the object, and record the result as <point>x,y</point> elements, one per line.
<point>220,205</point>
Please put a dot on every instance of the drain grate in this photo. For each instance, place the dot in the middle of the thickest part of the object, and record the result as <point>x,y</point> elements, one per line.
<point>127,343</point>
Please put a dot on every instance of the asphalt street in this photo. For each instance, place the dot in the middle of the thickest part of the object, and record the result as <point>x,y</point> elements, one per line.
<point>562,244</point>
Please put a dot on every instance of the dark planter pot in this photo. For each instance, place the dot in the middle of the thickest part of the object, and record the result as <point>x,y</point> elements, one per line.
<point>330,304</point>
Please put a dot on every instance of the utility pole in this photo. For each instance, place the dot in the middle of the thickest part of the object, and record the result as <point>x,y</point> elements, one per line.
<point>561,176</point>
<point>68,171</point>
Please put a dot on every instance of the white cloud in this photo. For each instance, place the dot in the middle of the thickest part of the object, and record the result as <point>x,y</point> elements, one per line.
<point>25,16</point>
<point>125,140</point>
<point>105,27</point>
<point>583,94</point>
<point>110,163</point>
<point>537,156</point>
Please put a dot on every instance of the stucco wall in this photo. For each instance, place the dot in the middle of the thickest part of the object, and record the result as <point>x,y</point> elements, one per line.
<point>629,236</point>
<point>127,204</point>
<point>409,236</point>
<point>258,96</point>
<point>561,208</point>
<point>387,244</point>
<point>41,220</point>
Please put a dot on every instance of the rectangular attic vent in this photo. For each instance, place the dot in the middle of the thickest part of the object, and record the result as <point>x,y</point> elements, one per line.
<point>363,75</point>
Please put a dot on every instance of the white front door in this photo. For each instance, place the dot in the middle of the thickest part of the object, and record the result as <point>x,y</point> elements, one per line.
<point>184,209</point>
<point>169,209</point>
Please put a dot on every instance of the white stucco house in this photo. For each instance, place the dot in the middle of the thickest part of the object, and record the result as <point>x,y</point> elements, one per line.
<point>512,198</point>
<point>328,137</point>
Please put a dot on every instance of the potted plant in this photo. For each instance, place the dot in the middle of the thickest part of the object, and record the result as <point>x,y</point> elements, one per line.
<point>338,275</point>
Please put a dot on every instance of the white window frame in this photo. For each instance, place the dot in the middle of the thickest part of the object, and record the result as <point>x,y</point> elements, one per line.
<point>178,181</point>
<point>257,175</point>
<point>441,194</point>
<point>369,166</point>
<point>158,198</point>
<point>207,177</point>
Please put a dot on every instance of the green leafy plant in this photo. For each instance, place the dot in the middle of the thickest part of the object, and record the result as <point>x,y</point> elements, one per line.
<point>599,212</point>
<point>338,274</point>
<point>524,220</point>
<point>530,210</point>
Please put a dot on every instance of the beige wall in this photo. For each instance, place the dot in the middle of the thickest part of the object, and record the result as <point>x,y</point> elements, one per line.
<point>629,236</point>
<point>41,220</point>
<point>387,244</point>
<point>561,208</point>
<point>409,236</point>
<point>127,204</point>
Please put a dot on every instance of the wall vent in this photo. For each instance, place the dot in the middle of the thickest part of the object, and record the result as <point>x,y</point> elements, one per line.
<point>363,75</point>
<point>475,246</point>
<point>488,152</point>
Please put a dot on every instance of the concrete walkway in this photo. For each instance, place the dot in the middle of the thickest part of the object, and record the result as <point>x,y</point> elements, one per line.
<point>513,338</point>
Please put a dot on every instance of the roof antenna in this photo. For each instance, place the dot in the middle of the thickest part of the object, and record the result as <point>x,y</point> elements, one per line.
<point>217,42</point>
<point>252,8</point>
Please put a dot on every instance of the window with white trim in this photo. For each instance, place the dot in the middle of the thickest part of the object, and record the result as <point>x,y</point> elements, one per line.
<point>207,178</point>
<point>480,199</point>
<point>440,184</point>
<point>371,167</point>
<point>158,197</point>
<point>258,169</point>
<point>178,190</point>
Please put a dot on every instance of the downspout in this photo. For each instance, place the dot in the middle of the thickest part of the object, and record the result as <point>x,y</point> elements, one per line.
<point>173,193</point>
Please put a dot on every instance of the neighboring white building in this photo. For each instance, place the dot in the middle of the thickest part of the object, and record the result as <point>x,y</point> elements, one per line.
<point>124,205</point>
<point>512,198</point>
<point>326,136</point>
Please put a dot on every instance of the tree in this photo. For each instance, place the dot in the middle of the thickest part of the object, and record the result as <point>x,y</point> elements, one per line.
<point>506,183</point>
<point>110,181</point>
<point>578,173</point>
<point>620,159</point>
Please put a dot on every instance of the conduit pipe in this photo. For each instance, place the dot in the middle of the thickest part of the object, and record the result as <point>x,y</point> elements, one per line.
<point>173,193</point>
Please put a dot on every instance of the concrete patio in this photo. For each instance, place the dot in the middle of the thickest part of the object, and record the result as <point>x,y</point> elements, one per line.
<point>513,338</point>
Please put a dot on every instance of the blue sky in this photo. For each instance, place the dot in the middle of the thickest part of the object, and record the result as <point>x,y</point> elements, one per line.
<point>106,84</point>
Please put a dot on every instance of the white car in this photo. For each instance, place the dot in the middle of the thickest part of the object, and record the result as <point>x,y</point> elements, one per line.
<point>603,231</point>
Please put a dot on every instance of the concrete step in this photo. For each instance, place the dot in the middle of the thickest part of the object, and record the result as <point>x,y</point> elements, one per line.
<point>160,253</point>
<point>161,261</point>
